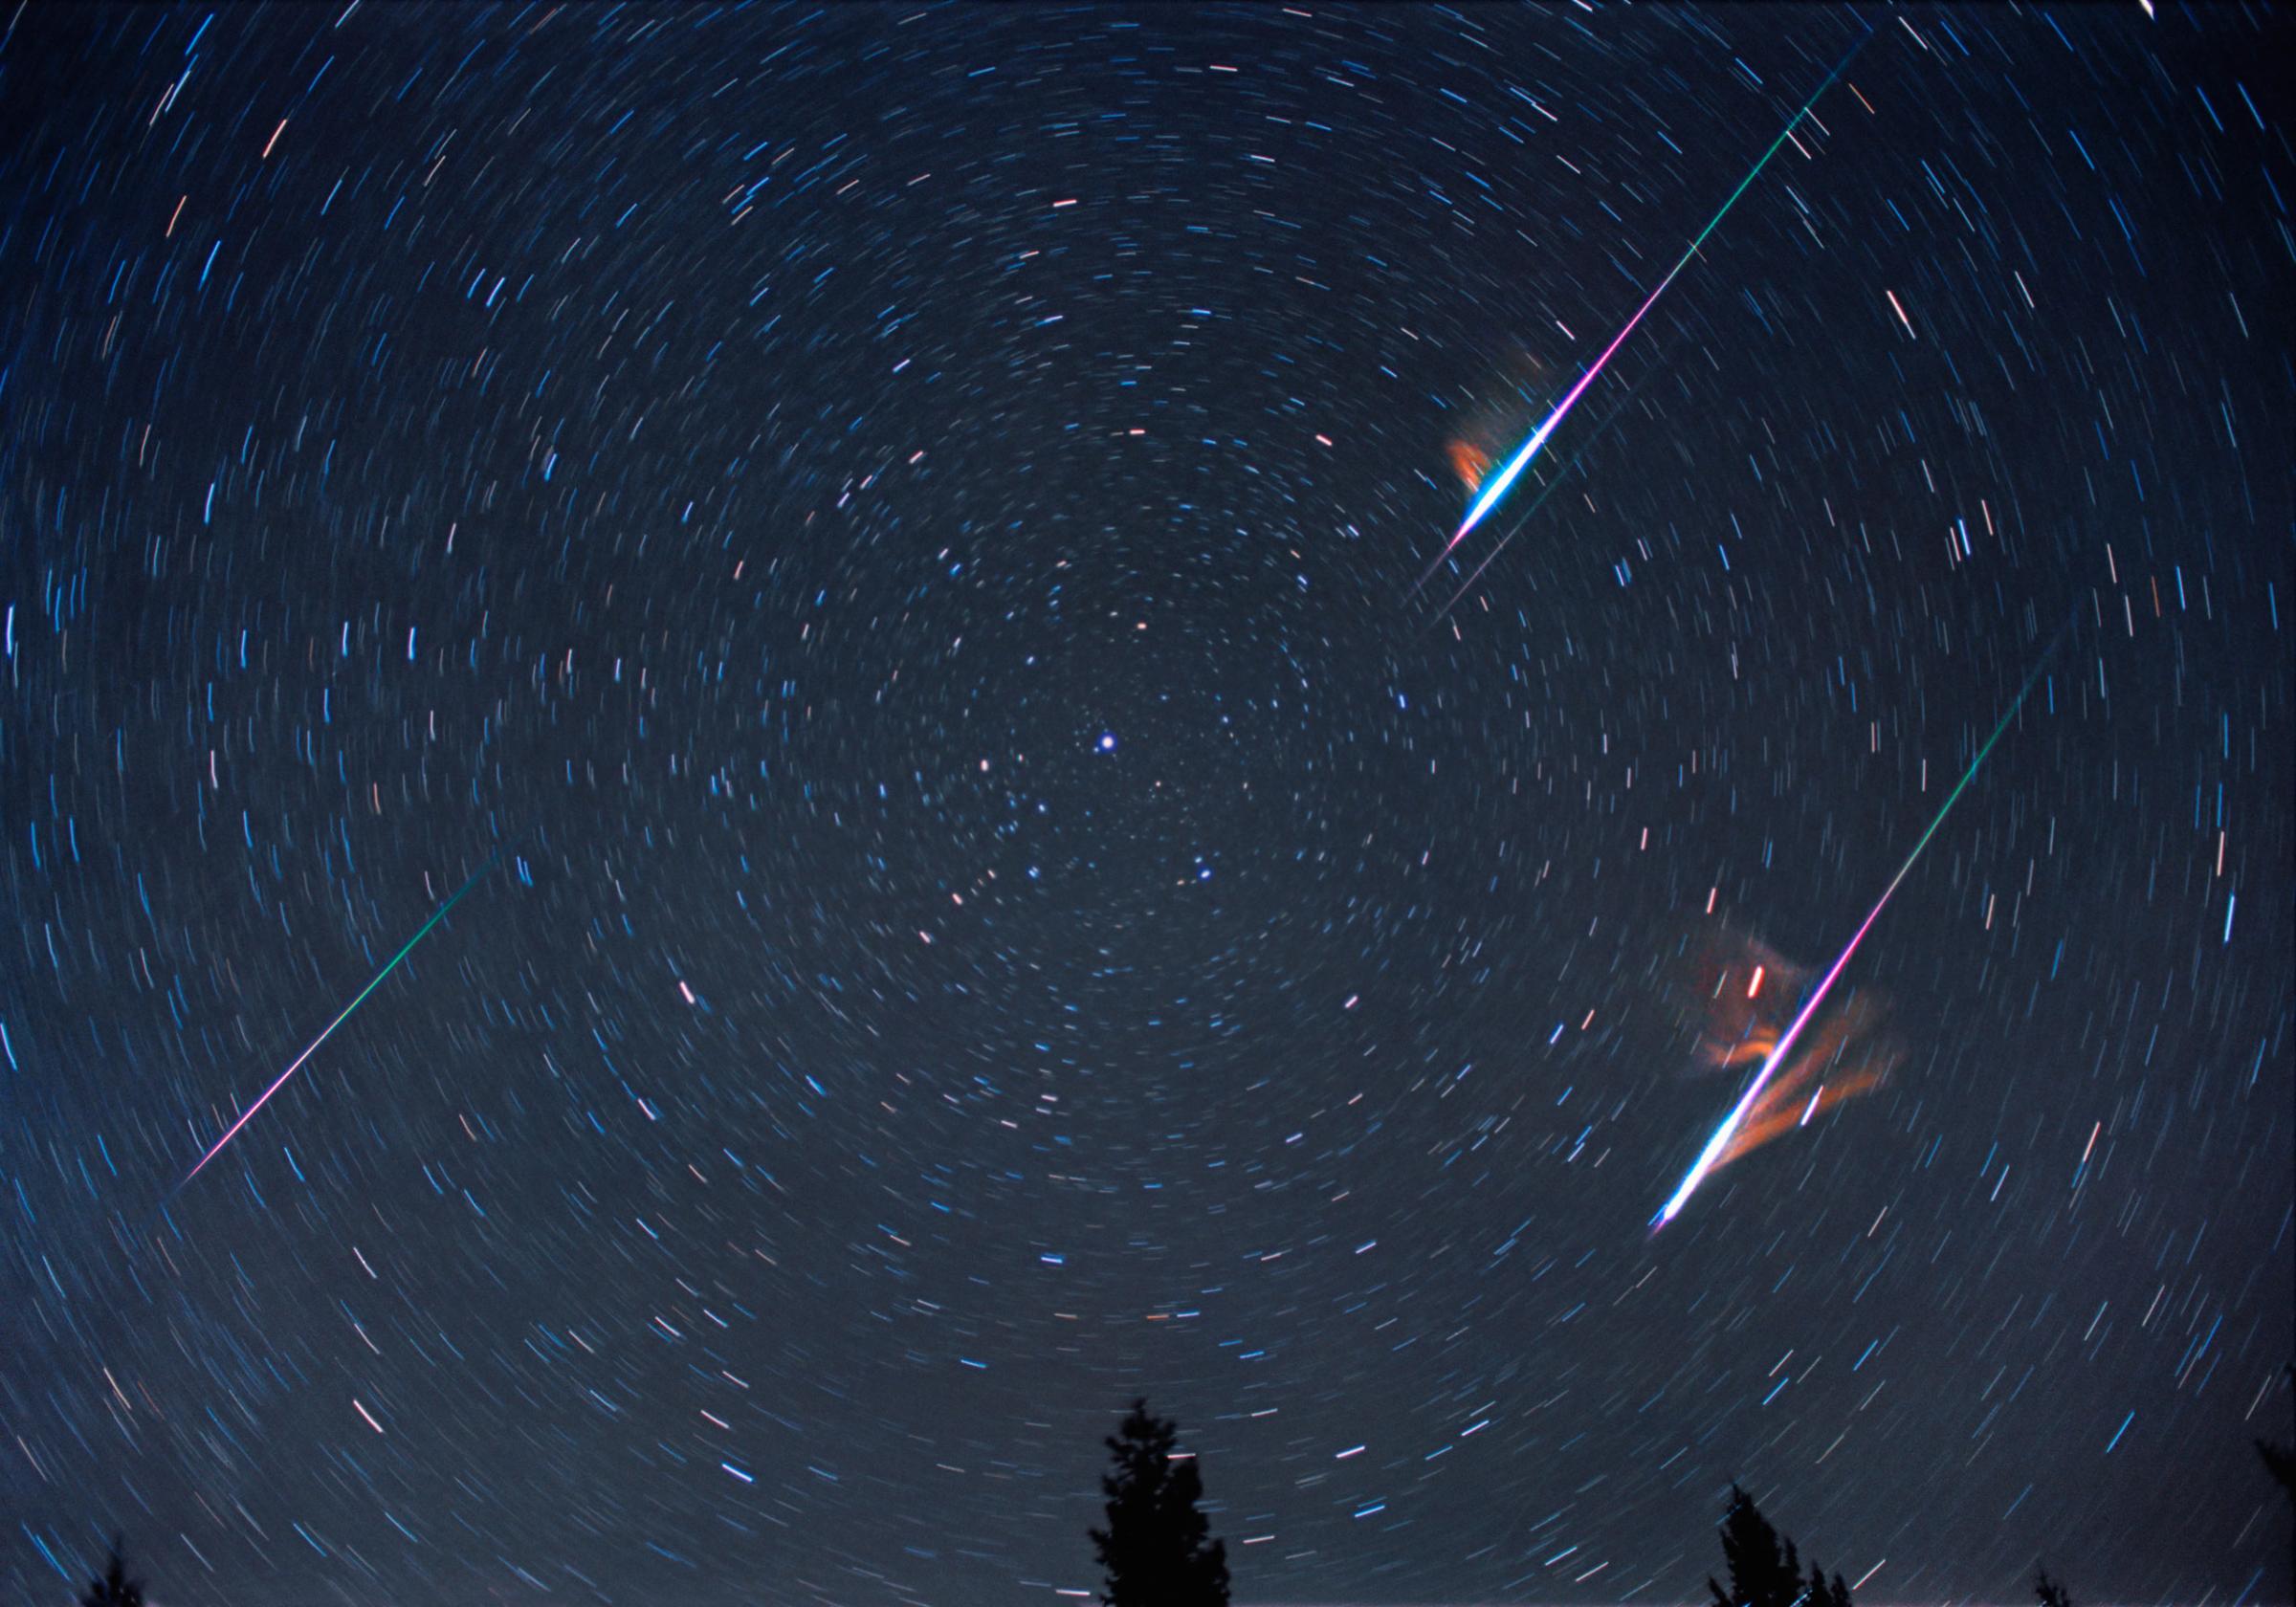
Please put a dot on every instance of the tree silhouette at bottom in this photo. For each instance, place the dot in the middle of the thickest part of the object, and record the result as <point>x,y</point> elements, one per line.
<point>1824,1594</point>
<point>1154,1549</point>
<point>115,1588</point>
<point>2048,1592</point>
<point>1764,1569</point>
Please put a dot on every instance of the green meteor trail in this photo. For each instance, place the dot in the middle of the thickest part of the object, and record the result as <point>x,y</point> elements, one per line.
<point>280,1081</point>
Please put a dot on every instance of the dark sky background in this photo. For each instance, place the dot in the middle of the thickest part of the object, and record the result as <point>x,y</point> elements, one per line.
<point>897,526</point>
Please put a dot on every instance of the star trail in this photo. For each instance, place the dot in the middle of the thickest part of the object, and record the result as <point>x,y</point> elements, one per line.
<point>796,623</point>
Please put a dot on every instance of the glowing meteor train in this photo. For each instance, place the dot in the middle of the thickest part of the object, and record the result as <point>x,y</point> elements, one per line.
<point>1495,487</point>
<point>280,1081</point>
<point>1719,1144</point>
<point>1539,501</point>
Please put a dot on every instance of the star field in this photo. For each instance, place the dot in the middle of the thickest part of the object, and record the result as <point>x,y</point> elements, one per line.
<point>897,526</point>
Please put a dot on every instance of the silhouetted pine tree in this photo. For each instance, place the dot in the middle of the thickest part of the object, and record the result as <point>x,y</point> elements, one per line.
<point>115,1588</point>
<point>2048,1592</point>
<point>1764,1571</point>
<point>1822,1594</point>
<point>1154,1550</point>
<point>2280,1461</point>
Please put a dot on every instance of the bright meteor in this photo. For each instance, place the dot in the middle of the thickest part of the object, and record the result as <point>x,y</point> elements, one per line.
<point>1719,1143</point>
<point>1496,487</point>
<point>280,1081</point>
<point>1537,502</point>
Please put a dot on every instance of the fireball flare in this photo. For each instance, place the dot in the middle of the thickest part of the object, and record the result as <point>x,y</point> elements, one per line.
<point>1719,1146</point>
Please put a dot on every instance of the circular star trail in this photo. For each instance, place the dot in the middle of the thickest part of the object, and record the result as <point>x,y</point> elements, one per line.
<point>882,546</point>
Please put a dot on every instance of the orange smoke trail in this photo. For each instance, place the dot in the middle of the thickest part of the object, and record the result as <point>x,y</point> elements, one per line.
<point>1470,464</point>
<point>1738,1033</point>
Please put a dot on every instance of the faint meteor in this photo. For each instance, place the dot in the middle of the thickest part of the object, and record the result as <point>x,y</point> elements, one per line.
<point>280,1081</point>
<point>1496,486</point>
<point>1717,1146</point>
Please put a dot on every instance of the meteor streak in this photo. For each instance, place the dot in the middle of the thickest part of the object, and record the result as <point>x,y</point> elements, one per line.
<point>1496,486</point>
<point>1719,1143</point>
<point>1468,585</point>
<point>280,1081</point>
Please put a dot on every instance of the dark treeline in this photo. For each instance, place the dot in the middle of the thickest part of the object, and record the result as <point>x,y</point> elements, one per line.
<point>1157,1550</point>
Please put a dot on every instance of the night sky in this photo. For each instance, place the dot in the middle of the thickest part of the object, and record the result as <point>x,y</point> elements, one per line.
<point>884,540</point>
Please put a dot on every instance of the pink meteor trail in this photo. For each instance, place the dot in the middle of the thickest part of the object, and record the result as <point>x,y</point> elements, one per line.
<point>1720,1142</point>
<point>1498,484</point>
<point>280,1081</point>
